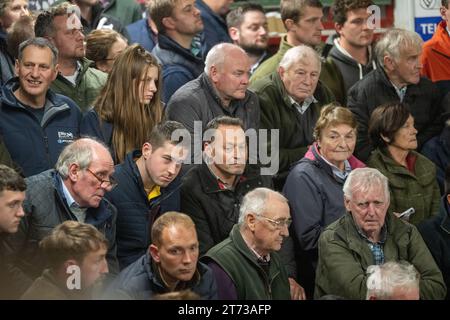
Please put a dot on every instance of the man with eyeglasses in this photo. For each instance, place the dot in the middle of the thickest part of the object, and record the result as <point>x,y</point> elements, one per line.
<point>76,79</point>
<point>368,235</point>
<point>75,191</point>
<point>246,264</point>
<point>147,188</point>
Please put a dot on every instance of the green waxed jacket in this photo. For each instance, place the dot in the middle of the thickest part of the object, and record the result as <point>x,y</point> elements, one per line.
<point>89,83</point>
<point>344,257</point>
<point>419,190</point>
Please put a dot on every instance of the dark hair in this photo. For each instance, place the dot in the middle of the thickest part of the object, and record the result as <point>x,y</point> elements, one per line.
<point>163,133</point>
<point>444,3</point>
<point>385,121</point>
<point>341,7</point>
<point>40,43</point>
<point>44,26</point>
<point>11,180</point>
<point>236,16</point>
<point>159,10</point>
<point>224,121</point>
<point>293,9</point>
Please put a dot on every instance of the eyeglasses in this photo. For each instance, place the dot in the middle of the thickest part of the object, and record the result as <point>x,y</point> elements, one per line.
<point>279,224</point>
<point>111,183</point>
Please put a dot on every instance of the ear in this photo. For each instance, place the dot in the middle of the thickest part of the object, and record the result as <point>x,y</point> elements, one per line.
<point>448,198</point>
<point>168,23</point>
<point>347,203</point>
<point>214,74</point>
<point>251,220</point>
<point>55,73</point>
<point>73,172</point>
<point>281,72</point>
<point>147,150</point>
<point>443,11</point>
<point>16,67</point>
<point>67,264</point>
<point>385,139</point>
<point>289,24</point>
<point>234,33</point>
<point>338,27</point>
<point>154,252</point>
<point>389,63</point>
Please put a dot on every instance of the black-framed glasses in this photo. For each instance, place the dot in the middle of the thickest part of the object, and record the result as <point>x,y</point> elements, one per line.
<point>111,183</point>
<point>280,223</point>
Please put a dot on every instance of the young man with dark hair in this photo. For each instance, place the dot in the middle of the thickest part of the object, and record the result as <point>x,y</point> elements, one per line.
<point>178,22</point>
<point>147,187</point>
<point>247,27</point>
<point>350,58</point>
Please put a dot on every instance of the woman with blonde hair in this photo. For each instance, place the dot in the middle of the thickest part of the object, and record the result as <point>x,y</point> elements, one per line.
<point>129,105</point>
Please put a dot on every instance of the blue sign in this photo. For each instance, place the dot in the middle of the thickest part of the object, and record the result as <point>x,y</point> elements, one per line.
<point>426,26</point>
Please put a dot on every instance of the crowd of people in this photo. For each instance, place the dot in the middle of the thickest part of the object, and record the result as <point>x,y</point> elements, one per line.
<point>135,143</point>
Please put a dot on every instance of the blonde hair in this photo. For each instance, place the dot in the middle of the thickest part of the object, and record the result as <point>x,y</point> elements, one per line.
<point>169,219</point>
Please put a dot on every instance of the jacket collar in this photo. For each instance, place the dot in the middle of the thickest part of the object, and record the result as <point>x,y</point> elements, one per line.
<point>94,216</point>
<point>445,215</point>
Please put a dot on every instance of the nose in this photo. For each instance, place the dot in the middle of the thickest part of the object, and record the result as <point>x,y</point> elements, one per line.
<point>262,31</point>
<point>187,257</point>
<point>172,169</point>
<point>152,86</point>
<point>104,268</point>
<point>24,11</point>
<point>245,78</point>
<point>196,11</point>
<point>284,231</point>
<point>20,212</point>
<point>320,25</point>
<point>35,72</point>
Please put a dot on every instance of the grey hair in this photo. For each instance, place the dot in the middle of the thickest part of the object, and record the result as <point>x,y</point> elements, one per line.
<point>81,152</point>
<point>256,202</point>
<point>301,53</point>
<point>364,179</point>
<point>40,43</point>
<point>394,42</point>
<point>383,279</point>
<point>216,56</point>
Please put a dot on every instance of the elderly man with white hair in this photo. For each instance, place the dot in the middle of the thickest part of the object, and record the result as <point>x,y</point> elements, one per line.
<point>246,264</point>
<point>291,99</point>
<point>397,80</point>
<point>220,90</point>
<point>367,234</point>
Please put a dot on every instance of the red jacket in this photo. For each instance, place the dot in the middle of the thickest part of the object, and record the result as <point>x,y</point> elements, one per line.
<point>436,55</point>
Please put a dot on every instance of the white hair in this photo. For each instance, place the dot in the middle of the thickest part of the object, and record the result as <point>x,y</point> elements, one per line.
<point>256,202</point>
<point>216,56</point>
<point>364,179</point>
<point>301,53</point>
<point>383,279</point>
<point>394,42</point>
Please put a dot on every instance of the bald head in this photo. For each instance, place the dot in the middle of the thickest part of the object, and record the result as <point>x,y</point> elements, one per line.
<point>223,54</point>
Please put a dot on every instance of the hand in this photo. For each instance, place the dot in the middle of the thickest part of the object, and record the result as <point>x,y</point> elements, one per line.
<point>297,291</point>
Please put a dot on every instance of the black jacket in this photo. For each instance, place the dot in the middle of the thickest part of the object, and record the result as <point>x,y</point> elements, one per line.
<point>135,213</point>
<point>139,281</point>
<point>215,210</point>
